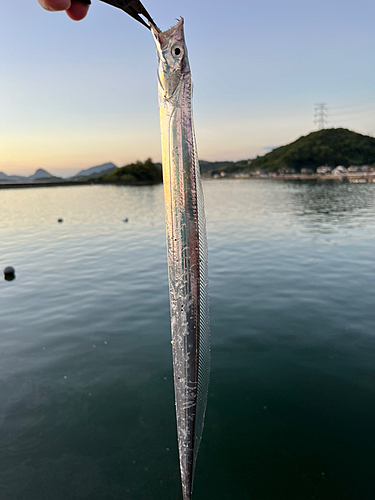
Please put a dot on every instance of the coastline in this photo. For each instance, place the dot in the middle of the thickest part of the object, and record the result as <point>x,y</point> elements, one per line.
<point>23,185</point>
<point>360,177</point>
<point>355,178</point>
<point>364,176</point>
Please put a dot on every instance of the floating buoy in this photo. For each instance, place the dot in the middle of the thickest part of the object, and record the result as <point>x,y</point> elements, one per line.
<point>60,220</point>
<point>9,273</point>
<point>126,219</point>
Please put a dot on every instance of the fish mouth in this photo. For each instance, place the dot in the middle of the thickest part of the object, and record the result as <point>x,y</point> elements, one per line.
<point>162,38</point>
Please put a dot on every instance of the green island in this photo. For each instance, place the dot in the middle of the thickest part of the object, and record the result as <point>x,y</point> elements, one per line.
<point>134,173</point>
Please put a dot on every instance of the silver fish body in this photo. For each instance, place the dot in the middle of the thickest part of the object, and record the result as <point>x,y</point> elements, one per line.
<point>186,247</point>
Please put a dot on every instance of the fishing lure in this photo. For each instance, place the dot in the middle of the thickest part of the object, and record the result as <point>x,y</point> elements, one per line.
<point>186,246</point>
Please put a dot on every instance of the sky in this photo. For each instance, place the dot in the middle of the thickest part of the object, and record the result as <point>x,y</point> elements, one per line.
<point>78,94</point>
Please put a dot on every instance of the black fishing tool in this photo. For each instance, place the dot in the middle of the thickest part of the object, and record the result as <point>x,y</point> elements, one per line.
<point>134,8</point>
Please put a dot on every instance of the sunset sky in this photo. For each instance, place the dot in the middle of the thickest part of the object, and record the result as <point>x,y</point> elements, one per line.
<point>77,94</point>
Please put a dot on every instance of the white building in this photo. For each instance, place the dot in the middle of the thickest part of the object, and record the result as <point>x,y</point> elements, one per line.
<point>323,170</point>
<point>339,170</point>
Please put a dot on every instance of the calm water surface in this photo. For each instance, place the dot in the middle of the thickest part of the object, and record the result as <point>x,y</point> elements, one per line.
<point>86,391</point>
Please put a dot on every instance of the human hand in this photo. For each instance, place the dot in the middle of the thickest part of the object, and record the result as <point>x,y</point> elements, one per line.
<point>76,10</point>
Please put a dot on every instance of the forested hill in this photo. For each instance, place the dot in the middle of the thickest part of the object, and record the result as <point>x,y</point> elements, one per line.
<point>134,173</point>
<point>335,146</point>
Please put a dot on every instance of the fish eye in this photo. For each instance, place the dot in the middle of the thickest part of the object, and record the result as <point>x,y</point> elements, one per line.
<point>177,51</point>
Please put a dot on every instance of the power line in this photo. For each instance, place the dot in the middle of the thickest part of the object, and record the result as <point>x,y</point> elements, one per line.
<point>358,112</point>
<point>358,104</point>
<point>320,115</point>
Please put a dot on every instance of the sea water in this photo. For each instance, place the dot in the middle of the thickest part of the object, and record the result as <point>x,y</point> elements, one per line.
<point>86,389</point>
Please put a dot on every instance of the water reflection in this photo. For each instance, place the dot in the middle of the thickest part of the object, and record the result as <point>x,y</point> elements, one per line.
<point>331,202</point>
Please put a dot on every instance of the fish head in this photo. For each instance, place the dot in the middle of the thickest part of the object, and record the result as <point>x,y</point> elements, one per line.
<point>173,63</point>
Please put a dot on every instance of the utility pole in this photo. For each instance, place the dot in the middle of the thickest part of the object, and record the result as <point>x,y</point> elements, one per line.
<point>320,115</point>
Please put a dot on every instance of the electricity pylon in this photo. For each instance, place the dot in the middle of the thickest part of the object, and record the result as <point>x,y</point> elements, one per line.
<point>320,115</point>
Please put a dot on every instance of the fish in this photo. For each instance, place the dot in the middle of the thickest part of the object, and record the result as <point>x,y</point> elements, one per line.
<point>186,247</point>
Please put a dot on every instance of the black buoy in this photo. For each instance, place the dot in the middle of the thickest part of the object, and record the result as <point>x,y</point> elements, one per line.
<point>60,220</point>
<point>9,273</point>
<point>126,219</point>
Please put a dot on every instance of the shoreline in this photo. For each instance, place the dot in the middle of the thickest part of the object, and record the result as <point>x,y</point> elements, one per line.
<point>355,177</point>
<point>24,185</point>
<point>368,177</point>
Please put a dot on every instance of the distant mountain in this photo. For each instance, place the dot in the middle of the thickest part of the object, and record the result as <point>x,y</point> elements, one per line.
<point>12,178</point>
<point>93,172</point>
<point>335,146</point>
<point>40,174</point>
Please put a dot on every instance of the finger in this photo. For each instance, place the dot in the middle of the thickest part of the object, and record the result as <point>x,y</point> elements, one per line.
<point>55,5</point>
<point>77,11</point>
